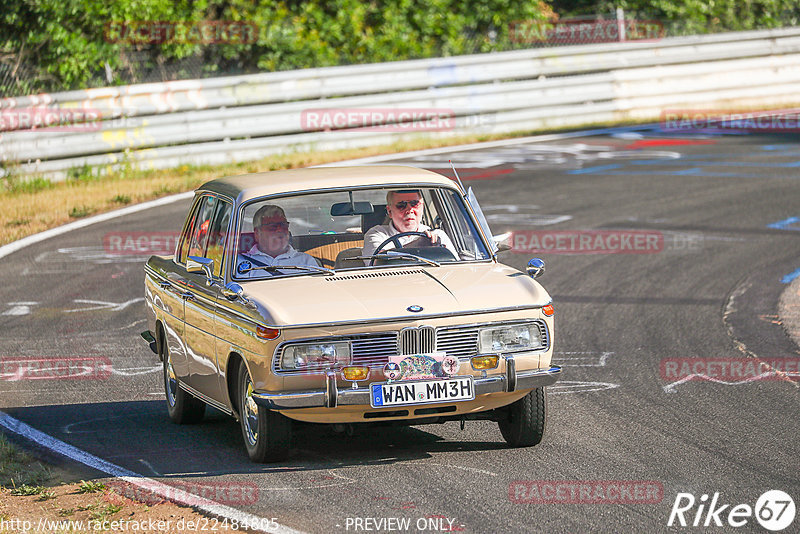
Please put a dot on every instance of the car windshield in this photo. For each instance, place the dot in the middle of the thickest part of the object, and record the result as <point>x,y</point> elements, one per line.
<point>311,234</point>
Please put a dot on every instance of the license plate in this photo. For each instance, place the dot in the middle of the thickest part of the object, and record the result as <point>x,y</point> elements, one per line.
<point>458,388</point>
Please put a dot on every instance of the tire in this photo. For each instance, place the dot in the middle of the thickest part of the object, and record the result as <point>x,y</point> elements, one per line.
<point>182,407</point>
<point>267,434</point>
<point>522,423</point>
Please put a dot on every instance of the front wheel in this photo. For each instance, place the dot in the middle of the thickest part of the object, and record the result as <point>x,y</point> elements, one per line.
<point>522,423</point>
<point>267,434</point>
<point>182,407</point>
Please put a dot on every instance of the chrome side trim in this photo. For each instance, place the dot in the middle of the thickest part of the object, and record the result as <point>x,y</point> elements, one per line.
<point>208,400</point>
<point>360,396</point>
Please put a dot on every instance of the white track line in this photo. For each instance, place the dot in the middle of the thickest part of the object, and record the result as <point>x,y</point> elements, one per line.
<point>165,491</point>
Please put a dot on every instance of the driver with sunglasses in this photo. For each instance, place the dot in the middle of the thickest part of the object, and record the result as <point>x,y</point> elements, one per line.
<point>404,209</point>
<point>272,247</point>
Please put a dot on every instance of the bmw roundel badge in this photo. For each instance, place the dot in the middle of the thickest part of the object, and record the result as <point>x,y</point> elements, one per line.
<point>414,308</point>
<point>244,266</point>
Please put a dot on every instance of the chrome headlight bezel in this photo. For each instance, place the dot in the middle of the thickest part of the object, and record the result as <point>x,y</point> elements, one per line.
<point>510,338</point>
<point>315,356</point>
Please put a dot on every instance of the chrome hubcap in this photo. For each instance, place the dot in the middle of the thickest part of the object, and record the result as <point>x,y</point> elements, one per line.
<point>250,416</point>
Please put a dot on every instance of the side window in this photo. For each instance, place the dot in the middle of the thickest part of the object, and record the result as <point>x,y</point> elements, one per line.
<point>218,235</point>
<point>197,234</point>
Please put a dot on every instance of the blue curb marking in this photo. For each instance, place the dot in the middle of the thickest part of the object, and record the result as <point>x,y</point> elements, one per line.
<point>715,163</point>
<point>785,224</point>
<point>589,170</point>
<point>791,276</point>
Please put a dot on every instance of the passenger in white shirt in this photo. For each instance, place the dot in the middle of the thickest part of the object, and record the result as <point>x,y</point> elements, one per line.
<point>271,232</point>
<point>405,210</point>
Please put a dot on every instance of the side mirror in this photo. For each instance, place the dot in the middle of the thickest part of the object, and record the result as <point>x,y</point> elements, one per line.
<point>535,268</point>
<point>196,264</point>
<point>233,291</point>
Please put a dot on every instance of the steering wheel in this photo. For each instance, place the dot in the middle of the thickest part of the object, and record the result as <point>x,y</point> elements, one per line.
<point>396,240</point>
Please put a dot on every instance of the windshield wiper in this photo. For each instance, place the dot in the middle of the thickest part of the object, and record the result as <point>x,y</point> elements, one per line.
<point>278,268</point>
<point>393,254</point>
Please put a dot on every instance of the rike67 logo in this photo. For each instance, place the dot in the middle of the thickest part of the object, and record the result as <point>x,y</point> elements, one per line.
<point>774,510</point>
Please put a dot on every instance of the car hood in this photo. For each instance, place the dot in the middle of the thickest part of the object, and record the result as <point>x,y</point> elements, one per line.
<point>365,295</point>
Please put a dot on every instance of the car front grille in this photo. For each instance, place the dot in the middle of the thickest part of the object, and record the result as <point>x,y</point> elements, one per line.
<point>375,349</point>
<point>417,340</point>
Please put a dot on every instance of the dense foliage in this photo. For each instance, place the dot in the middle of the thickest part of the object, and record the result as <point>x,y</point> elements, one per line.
<point>67,44</point>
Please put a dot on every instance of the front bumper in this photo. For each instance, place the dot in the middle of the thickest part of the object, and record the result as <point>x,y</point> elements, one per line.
<point>332,396</point>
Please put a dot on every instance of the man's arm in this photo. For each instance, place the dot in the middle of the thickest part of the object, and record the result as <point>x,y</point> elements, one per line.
<point>374,237</point>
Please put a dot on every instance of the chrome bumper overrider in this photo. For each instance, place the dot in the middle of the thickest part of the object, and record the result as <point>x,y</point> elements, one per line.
<point>332,396</point>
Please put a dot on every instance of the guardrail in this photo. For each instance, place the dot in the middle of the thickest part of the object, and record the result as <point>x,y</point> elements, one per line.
<point>249,117</point>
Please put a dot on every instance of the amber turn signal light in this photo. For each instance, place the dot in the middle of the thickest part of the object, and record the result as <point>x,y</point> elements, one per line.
<point>267,333</point>
<point>354,373</point>
<point>483,363</point>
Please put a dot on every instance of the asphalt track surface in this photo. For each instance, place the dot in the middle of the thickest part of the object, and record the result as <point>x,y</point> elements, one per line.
<point>710,291</point>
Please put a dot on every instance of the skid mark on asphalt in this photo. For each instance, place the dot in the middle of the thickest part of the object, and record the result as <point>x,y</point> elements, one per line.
<point>340,480</point>
<point>520,215</point>
<point>135,371</point>
<point>671,388</point>
<point>574,386</point>
<point>103,305</point>
<point>68,429</point>
<point>583,358</point>
<point>150,467</point>
<point>464,468</point>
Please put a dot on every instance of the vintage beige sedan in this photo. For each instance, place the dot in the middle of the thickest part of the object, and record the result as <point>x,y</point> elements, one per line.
<point>347,295</point>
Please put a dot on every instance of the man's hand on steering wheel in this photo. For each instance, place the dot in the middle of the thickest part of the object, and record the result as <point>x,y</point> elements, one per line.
<point>433,238</point>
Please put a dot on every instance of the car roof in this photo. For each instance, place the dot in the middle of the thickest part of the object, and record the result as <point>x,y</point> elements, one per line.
<point>247,186</point>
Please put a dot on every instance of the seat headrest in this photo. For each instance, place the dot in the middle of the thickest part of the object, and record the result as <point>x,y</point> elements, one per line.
<point>375,218</point>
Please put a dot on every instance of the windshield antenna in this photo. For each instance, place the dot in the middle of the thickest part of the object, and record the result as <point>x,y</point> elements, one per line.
<point>463,191</point>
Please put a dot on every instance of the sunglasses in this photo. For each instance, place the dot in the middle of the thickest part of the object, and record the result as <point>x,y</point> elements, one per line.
<point>404,203</point>
<point>275,227</point>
